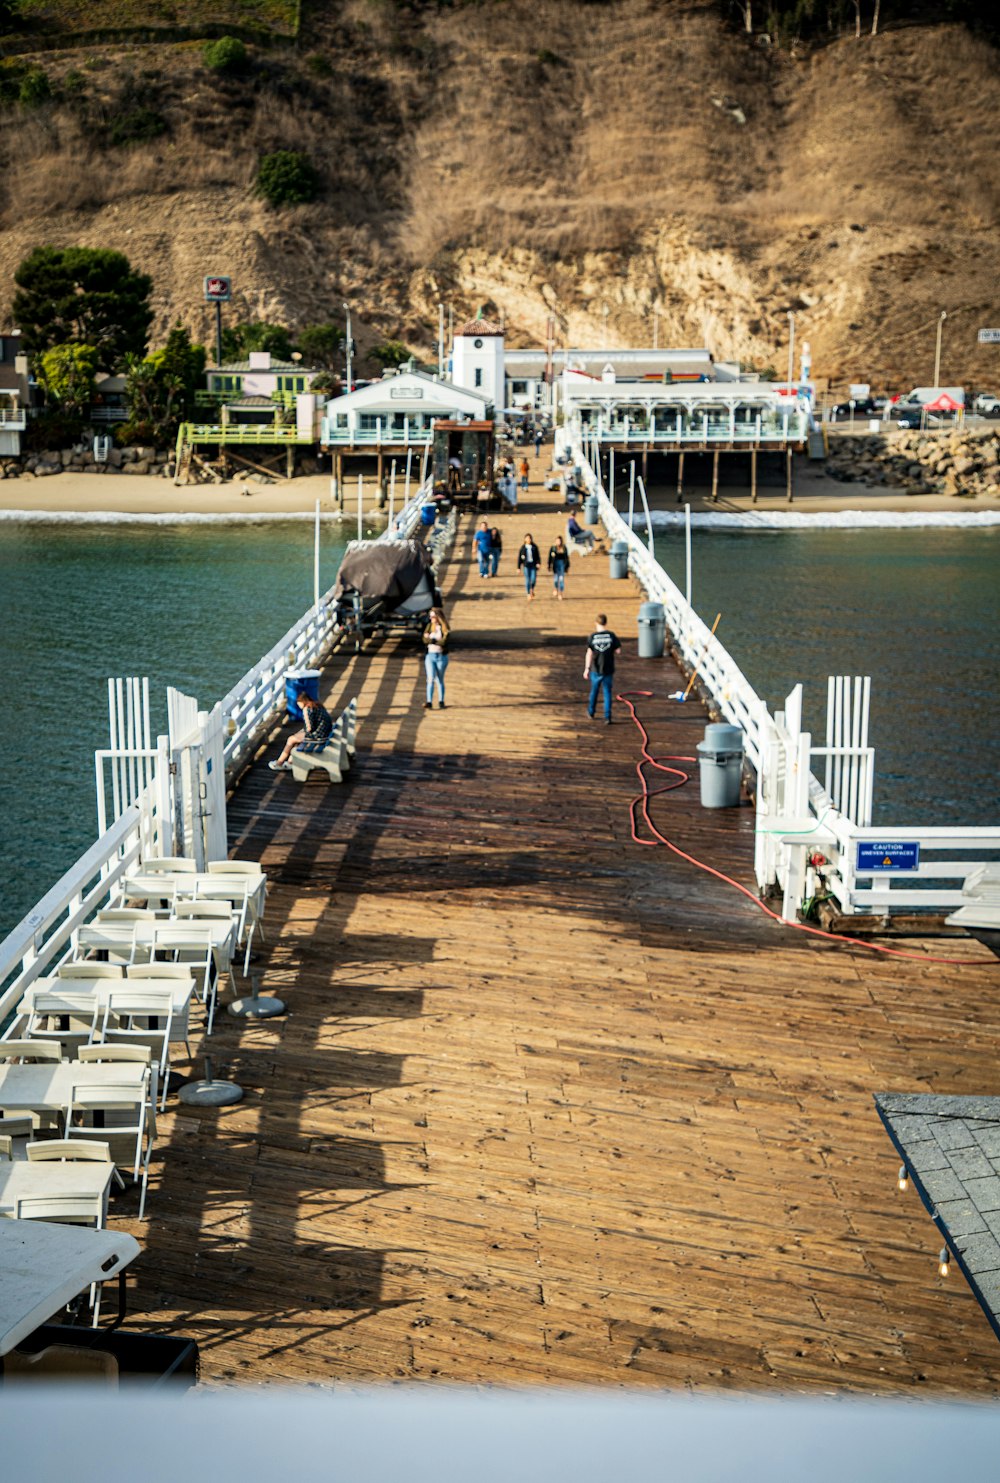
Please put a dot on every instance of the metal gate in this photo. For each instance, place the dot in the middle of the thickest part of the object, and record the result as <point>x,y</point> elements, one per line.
<point>198,768</point>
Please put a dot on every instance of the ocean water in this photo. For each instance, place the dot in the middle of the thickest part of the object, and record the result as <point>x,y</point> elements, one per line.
<point>916,609</point>
<point>195,605</point>
<point>190,605</point>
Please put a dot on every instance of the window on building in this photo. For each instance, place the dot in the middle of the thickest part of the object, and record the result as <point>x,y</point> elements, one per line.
<point>291,383</point>
<point>519,388</point>
<point>479,376</point>
<point>341,419</point>
<point>227,384</point>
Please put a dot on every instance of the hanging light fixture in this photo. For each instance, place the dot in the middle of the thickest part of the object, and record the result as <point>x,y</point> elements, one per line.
<point>904,1180</point>
<point>943,1262</point>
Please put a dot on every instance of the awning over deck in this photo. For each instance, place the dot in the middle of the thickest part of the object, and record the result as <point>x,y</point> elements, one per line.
<point>951,1149</point>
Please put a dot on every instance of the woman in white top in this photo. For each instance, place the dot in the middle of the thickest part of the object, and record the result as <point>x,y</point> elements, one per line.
<point>436,636</point>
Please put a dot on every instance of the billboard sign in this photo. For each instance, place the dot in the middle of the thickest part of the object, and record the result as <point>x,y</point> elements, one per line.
<point>218,290</point>
<point>860,391</point>
<point>989,337</point>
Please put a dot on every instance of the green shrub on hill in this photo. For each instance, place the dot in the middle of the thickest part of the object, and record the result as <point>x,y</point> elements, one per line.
<point>287,178</point>
<point>227,55</point>
<point>35,88</point>
<point>138,126</point>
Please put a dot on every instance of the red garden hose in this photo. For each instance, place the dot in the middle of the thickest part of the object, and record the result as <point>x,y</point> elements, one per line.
<point>642,800</point>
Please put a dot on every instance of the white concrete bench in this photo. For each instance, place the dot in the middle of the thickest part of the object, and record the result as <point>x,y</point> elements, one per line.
<point>335,757</point>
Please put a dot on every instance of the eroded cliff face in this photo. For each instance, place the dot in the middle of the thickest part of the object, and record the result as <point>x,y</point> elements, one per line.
<point>552,158</point>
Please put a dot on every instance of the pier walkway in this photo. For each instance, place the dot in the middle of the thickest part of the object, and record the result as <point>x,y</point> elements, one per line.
<point>548,1106</point>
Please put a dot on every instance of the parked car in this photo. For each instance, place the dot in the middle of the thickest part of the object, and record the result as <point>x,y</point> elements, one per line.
<point>864,407</point>
<point>987,404</point>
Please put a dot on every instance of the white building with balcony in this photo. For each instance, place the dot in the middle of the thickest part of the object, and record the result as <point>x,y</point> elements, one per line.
<point>397,412</point>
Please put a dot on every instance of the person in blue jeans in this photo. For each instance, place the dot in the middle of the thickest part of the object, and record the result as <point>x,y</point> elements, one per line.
<point>482,543</point>
<point>529,559</point>
<point>599,669</point>
<point>435,636</point>
<point>558,566</point>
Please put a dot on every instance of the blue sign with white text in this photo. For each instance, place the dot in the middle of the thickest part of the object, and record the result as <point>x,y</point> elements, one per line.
<point>878,855</point>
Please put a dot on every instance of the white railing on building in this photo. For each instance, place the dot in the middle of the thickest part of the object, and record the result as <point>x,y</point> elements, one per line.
<point>798,816</point>
<point>382,436</point>
<point>165,799</point>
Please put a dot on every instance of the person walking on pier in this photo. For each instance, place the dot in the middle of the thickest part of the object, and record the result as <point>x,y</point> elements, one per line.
<point>435,636</point>
<point>529,559</point>
<point>482,541</point>
<point>538,439</point>
<point>496,549</point>
<point>524,476</point>
<point>558,566</point>
<point>599,668</point>
<point>319,725</point>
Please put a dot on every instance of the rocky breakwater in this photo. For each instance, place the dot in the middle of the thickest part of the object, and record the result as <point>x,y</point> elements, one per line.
<point>964,463</point>
<point>82,461</point>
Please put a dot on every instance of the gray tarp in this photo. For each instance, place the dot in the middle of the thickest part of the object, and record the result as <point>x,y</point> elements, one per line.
<point>384,571</point>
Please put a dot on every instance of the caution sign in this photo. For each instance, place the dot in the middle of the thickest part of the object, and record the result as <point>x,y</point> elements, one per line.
<point>878,855</point>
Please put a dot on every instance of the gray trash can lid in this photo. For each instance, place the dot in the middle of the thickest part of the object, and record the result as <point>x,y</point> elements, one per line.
<point>720,737</point>
<point>619,548</point>
<point>652,612</point>
<point>303,674</point>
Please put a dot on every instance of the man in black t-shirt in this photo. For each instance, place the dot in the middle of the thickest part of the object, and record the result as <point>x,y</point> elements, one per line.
<point>599,669</point>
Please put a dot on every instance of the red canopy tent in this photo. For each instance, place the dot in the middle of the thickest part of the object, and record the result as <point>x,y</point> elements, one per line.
<point>943,403</point>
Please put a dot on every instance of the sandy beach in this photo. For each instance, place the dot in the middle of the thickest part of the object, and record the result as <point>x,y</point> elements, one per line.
<point>97,495</point>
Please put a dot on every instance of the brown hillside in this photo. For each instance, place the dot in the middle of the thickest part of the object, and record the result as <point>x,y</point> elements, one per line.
<point>549,157</point>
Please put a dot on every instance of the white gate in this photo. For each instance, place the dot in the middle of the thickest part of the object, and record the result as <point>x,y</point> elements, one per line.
<point>131,770</point>
<point>196,743</point>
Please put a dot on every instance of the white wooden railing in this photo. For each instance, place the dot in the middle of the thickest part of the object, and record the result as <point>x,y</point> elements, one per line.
<point>798,816</point>
<point>148,822</point>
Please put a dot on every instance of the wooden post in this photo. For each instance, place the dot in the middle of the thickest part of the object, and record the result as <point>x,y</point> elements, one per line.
<point>289,460</point>
<point>715,476</point>
<point>753,476</point>
<point>788,474</point>
<point>680,476</point>
<point>645,464</point>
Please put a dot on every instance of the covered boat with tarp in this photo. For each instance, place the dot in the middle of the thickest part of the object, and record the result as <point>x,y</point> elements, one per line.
<point>385,586</point>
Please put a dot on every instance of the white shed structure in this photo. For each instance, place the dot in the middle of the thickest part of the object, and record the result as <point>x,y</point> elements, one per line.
<point>398,411</point>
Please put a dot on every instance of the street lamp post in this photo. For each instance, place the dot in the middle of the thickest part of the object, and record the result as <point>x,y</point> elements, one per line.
<point>937,352</point>
<point>347,311</point>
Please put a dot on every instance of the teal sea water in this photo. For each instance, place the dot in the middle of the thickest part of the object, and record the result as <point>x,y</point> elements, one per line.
<point>188,605</point>
<point>197,605</point>
<point>917,609</point>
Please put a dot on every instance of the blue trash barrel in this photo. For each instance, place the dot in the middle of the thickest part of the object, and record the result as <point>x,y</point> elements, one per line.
<point>300,682</point>
<point>720,758</point>
<point>428,514</point>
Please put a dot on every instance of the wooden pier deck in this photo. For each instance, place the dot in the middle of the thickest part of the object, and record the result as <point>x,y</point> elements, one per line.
<point>548,1106</point>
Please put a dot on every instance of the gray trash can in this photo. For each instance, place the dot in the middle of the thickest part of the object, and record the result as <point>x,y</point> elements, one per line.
<point>590,509</point>
<point>720,757</point>
<point>300,682</point>
<point>652,630</point>
<point>618,560</point>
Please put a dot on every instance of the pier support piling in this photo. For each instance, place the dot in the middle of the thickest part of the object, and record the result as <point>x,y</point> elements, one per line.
<point>680,477</point>
<point>715,476</point>
<point>753,476</point>
<point>788,474</point>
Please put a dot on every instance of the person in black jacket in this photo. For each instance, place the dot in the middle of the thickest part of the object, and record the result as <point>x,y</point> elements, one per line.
<point>529,559</point>
<point>558,566</point>
<point>319,725</point>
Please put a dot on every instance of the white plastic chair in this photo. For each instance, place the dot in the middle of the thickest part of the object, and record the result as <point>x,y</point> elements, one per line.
<point>151,972</point>
<point>100,1054</point>
<point>113,1112</point>
<point>213,911</point>
<point>72,1151</point>
<point>169,865</point>
<point>128,1016</point>
<point>14,1135</point>
<point>85,968</point>
<point>61,1016</point>
<point>192,947</point>
<point>29,1052</point>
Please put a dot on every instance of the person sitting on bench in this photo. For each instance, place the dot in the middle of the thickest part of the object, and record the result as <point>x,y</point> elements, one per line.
<point>576,534</point>
<point>319,725</point>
